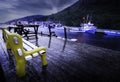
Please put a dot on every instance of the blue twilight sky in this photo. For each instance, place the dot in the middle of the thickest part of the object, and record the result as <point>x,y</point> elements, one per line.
<point>11,9</point>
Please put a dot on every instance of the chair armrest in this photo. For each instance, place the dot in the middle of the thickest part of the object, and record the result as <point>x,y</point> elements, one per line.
<point>35,50</point>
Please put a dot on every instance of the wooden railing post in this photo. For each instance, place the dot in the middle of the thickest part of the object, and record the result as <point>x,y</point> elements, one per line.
<point>49,27</point>
<point>65,33</point>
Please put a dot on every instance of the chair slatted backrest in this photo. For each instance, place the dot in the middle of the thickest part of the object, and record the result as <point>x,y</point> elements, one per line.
<point>14,42</point>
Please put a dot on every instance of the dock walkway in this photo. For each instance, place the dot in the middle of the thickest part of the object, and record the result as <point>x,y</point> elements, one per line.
<point>67,62</point>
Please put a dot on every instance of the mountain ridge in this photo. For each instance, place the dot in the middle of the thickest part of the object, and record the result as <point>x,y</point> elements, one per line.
<point>30,18</point>
<point>104,13</point>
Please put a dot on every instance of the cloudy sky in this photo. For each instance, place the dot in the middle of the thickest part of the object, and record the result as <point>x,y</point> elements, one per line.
<point>11,9</point>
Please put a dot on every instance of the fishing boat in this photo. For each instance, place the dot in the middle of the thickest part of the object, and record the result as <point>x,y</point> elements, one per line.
<point>88,27</point>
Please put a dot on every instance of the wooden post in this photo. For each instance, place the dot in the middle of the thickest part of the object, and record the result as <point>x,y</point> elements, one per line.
<point>19,29</point>
<point>36,31</point>
<point>65,33</point>
<point>49,27</point>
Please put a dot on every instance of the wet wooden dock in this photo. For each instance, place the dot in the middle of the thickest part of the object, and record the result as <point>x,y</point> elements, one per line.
<point>67,62</point>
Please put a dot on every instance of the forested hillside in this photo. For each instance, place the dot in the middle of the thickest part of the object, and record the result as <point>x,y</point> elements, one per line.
<point>103,13</point>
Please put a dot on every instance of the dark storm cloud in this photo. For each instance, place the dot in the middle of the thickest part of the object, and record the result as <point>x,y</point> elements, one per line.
<point>33,4</point>
<point>64,2</point>
<point>11,9</point>
<point>2,15</point>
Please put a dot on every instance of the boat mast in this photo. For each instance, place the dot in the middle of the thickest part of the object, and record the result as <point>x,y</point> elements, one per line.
<point>87,18</point>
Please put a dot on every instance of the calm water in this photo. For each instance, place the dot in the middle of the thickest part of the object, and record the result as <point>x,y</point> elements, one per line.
<point>105,41</point>
<point>110,42</point>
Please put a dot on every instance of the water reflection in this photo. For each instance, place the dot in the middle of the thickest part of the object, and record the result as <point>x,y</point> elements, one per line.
<point>64,45</point>
<point>49,42</point>
<point>36,42</point>
<point>65,41</point>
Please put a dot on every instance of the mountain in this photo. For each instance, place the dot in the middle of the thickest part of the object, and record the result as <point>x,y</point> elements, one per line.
<point>30,18</point>
<point>103,13</point>
<point>34,18</point>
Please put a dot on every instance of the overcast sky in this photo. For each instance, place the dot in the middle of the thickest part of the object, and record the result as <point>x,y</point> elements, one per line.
<point>11,9</point>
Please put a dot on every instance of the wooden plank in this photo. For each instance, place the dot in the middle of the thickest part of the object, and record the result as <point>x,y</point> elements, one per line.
<point>27,48</point>
<point>29,44</point>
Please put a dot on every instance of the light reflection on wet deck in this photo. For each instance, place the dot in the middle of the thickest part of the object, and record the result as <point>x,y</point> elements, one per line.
<point>67,62</point>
